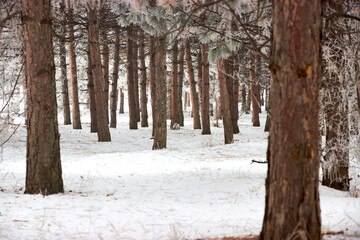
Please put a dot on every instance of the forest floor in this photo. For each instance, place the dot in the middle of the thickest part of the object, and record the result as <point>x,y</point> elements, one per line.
<point>195,189</point>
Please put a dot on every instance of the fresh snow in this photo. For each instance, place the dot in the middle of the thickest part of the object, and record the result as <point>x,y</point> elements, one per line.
<point>196,188</point>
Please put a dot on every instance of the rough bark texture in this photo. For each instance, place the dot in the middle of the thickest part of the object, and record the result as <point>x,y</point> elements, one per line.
<point>73,69</point>
<point>160,101</point>
<point>130,79</point>
<point>143,98</point>
<point>248,99</point>
<point>243,99</point>
<point>114,90</point>
<point>229,69</point>
<point>121,108</point>
<point>199,77</point>
<point>205,115</point>
<point>255,92</point>
<point>225,105</point>
<point>192,85</point>
<point>43,165</point>
<point>152,63</point>
<point>103,128</point>
<point>236,89</point>
<point>180,84</point>
<point>292,198</point>
<point>64,83</point>
<point>91,90</point>
<point>105,57</point>
<point>174,85</point>
<point>136,74</point>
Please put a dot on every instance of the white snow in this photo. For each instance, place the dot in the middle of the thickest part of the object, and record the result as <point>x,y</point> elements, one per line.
<point>197,187</point>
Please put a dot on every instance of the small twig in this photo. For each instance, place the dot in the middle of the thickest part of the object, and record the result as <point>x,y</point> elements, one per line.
<point>255,161</point>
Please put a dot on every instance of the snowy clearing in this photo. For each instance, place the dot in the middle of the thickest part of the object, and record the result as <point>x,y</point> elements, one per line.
<point>196,188</point>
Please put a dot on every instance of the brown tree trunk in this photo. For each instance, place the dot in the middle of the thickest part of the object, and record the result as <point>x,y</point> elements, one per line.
<point>205,115</point>
<point>180,84</point>
<point>243,99</point>
<point>248,100</point>
<point>73,68</point>
<point>105,55</point>
<point>103,128</point>
<point>144,114</point>
<point>91,90</point>
<point>174,85</point>
<point>130,79</point>
<point>64,83</point>
<point>152,65</point>
<point>121,108</point>
<point>255,92</point>
<point>292,208</point>
<point>225,104</point>
<point>136,74</point>
<point>114,91</point>
<point>43,165</point>
<point>229,69</point>
<point>160,127</point>
<point>194,99</point>
<point>199,77</point>
<point>236,89</point>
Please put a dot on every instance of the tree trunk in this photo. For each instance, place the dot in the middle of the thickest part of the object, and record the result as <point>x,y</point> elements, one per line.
<point>236,89</point>
<point>143,101</point>
<point>136,74</point>
<point>114,91</point>
<point>160,127</point>
<point>255,94</point>
<point>292,208</point>
<point>205,115</point>
<point>73,68</point>
<point>105,68</point>
<point>248,100</point>
<point>43,164</point>
<point>121,108</point>
<point>229,70</point>
<point>225,104</point>
<point>64,83</point>
<point>91,90</point>
<point>180,84</point>
<point>174,85</point>
<point>152,65</point>
<point>200,77</point>
<point>103,128</point>
<point>243,99</point>
<point>194,99</point>
<point>130,79</point>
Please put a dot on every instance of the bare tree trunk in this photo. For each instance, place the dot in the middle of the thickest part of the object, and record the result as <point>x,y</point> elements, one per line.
<point>243,99</point>
<point>228,65</point>
<point>136,74</point>
<point>160,127</point>
<point>121,108</point>
<point>180,84</point>
<point>194,99</point>
<point>292,208</point>
<point>105,68</point>
<point>64,83</point>
<point>225,104</point>
<point>91,90</point>
<point>254,86</point>
<point>205,115</point>
<point>103,128</point>
<point>236,90</point>
<point>174,85</point>
<point>114,90</point>
<point>43,164</point>
<point>199,77</point>
<point>152,65</point>
<point>73,68</point>
<point>144,114</point>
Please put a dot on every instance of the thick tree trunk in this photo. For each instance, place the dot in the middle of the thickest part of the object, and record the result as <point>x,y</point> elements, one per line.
<point>292,208</point>
<point>64,83</point>
<point>225,104</point>
<point>174,85</point>
<point>152,65</point>
<point>194,99</point>
<point>91,90</point>
<point>199,77</point>
<point>243,99</point>
<point>130,79</point>
<point>43,165</point>
<point>144,114</point>
<point>248,99</point>
<point>205,115</point>
<point>114,90</point>
<point>136,74</point>
<point>180,84</point>
<point>160,127</point>
<point>103,128</point>
<point>73,68</point>
<point>121,108</point>
<point>105,56</point>
<point>236,89</point>
<point>229,69</point>
<point>255,92</point>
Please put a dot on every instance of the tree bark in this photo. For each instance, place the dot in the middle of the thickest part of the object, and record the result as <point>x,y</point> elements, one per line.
<point>43,164</point>
<point>292,208</point>
<point>243,99</point>
<point>64,83</point>
<point>91,90</point>
<point>136,74</point>
<point>205,115</point>
<point>114,90</point>
<point>174,85</point>
<point>103,128</point>
<point>225,104</point>
<point>180,84</point>
<point>160,127</point>
<point>143,100</point>
<point>152,65</point>
<point>199,77</point>
<point>73,68</point>
<point>105,55</point>
<point>194,99</point>
<point>229,69</point>
<point>255,92</point>
<point>121,108</point>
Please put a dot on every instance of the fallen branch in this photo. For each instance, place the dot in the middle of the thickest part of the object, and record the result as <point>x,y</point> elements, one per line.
<point>255,161</point>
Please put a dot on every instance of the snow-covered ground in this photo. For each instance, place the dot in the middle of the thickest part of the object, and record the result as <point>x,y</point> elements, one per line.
<point>197,187</point>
